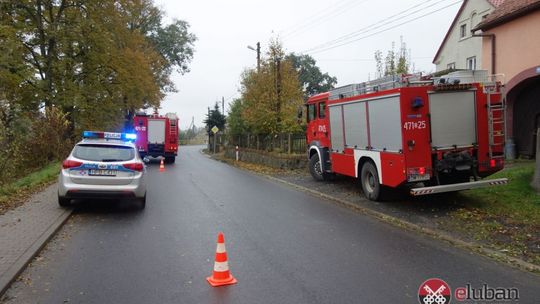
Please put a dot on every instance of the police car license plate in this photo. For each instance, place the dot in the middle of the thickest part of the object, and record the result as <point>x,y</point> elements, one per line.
<point>101,172</point>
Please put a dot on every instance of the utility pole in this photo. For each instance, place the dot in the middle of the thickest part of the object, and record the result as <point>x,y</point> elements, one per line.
<point>208,131</point>
<point>223,105</point>
<point>258,50</point>
<point>258,56</point>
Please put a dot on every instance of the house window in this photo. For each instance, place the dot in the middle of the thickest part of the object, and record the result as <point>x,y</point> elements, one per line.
<point>451,66</point>
<point>463,31</point>
<point>471,63</point>
<point>474,20</point>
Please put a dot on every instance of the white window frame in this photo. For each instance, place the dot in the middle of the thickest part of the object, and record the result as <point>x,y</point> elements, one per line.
<point>463,31</point>
<point>451,66</point>
<point>471,63</point>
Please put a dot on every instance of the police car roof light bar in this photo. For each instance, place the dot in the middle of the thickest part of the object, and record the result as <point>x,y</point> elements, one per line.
<point>110,135</point>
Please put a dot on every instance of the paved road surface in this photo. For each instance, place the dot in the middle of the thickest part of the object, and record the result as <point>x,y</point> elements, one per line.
<point>284,246</point>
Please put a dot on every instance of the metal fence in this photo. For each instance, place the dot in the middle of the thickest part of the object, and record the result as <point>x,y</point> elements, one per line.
<point>281,143</point>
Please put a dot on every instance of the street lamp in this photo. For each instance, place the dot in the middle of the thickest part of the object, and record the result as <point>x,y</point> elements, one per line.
<point>258,50</point>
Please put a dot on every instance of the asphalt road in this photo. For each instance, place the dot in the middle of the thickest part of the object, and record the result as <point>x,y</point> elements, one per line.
<point>284,246</point>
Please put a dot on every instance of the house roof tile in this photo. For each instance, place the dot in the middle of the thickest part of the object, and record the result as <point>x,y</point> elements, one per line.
<point>507,11</point>
<point>496,3</point>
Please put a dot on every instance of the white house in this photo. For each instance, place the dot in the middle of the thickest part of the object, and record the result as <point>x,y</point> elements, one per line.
<point>459,48</point>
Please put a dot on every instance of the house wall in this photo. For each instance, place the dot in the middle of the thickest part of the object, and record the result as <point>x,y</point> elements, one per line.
<point>456,49</point>
<point>517,46</point>
<point>517,50</point>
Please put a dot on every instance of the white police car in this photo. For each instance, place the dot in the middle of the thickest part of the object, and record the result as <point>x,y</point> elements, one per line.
<point>103,165</point>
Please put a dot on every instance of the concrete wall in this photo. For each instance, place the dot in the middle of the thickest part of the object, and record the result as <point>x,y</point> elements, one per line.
<point>457,49</point>
<point>269,159</point>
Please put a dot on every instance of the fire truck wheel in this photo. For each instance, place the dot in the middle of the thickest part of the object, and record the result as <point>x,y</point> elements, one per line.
<point>369,178</point>
<point>170,160</point>
<point>315,169</point>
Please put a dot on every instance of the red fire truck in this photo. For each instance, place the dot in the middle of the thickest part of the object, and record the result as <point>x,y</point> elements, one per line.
<point>430,135</point>
<point>157,135</point>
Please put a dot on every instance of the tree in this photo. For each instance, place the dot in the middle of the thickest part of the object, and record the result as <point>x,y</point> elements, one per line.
<point>311,78</point>
<point>394,62</point>
<point>215,118</point>
<point>272,95</point>
<point>235,122</point>
<point>378,61</point>
<point>173,41</point>
<point>96,60</point>
<point>92,63</point>
<point>535,183</point>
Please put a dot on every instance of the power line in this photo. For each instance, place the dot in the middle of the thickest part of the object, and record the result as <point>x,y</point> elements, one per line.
<point>315,51</point>
<point>325,18</point>
<point>310,19</point>
<point>364,59</point>
<point>376,25</point>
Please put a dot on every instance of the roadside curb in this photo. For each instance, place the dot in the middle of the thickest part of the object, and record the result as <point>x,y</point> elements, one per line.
<point>434,233</point>
<point>9,276</point>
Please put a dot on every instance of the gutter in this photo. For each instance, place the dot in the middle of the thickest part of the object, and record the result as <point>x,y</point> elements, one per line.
<point>493,53</point>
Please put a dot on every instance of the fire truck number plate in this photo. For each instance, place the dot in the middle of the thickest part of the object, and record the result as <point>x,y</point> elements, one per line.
<point>417,178</point>
<point>414,125</point>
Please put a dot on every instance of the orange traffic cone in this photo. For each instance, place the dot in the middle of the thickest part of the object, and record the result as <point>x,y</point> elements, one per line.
<point>221,275</point>
<point>161,166</point>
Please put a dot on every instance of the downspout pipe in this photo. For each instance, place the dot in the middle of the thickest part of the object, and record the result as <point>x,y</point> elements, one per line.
<point>493,53</point>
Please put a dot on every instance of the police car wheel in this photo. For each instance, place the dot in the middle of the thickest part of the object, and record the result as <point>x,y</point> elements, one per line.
<point>369,178</point>
<point>142,202</point>
<point>63,201</point>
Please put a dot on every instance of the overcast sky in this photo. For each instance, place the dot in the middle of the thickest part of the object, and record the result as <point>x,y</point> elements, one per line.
<point>342,36</point>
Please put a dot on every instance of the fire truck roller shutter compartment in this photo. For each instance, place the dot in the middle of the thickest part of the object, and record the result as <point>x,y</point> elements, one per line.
<point>336,128</point>
<point>385,124</point>
<point>453,119</point>
<point>156,131</point>
<point>355,125</point>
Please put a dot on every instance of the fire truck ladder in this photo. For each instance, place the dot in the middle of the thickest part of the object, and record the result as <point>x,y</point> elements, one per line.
<point>496,123</point>
<point>173,128</point>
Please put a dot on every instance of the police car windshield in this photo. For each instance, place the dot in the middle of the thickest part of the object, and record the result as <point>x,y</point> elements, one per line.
<point>103,153</point>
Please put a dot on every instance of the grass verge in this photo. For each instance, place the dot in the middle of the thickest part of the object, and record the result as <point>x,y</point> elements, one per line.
<point>15,193</point>
<point>506,217</point>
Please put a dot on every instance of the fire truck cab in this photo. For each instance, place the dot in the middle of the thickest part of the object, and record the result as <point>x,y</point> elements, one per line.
<point>431,135</point>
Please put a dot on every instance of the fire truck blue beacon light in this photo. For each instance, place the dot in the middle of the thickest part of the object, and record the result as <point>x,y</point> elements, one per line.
<point>130,136</point>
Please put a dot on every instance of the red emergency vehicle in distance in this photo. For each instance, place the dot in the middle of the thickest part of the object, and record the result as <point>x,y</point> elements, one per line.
<point>431,135</point>
<point>157,135</point>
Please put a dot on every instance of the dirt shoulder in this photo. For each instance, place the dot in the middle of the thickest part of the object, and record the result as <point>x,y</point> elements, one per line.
<point>477,219</point>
